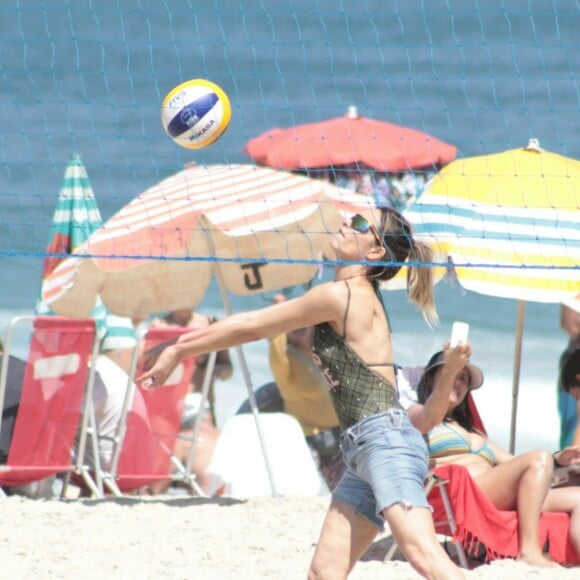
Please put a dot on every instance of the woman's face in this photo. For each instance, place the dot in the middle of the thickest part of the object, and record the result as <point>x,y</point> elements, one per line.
<point>351,243</point>
<point>460,387</point>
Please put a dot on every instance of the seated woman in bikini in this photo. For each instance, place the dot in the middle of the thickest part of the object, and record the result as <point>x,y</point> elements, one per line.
<point>520,483</point>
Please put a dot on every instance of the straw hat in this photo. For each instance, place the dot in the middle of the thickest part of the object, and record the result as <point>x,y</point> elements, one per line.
<point>438,359</point>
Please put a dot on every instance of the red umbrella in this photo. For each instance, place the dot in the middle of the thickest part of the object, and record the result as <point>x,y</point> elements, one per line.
<point>350,140</point>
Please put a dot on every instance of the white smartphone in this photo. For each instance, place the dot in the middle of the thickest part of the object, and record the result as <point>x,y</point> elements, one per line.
<point>459,333</point>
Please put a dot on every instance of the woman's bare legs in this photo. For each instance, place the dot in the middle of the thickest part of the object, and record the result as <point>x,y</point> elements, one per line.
<point>566,499</point>
<point>522,484</point>
<point>344,538</point>
<point>414,532</point>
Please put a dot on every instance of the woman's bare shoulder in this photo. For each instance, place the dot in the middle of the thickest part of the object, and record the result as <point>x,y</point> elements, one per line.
<point>324,302</point>
<point>333,292</point>
<point>334,288</point>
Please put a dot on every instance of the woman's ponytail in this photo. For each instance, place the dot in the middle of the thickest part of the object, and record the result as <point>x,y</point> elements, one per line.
<point>420,281</point>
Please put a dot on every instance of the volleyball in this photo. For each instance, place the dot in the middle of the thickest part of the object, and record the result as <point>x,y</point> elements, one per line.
<point>196,113</point>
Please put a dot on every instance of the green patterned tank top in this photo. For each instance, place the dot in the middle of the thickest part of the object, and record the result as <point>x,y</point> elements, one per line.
<point>356,390</point>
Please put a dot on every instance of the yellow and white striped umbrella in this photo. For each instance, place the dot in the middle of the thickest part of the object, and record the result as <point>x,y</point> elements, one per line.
<point>510,222</point>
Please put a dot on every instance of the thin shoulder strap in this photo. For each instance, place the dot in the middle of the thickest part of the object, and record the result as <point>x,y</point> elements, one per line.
<point>346,311</point>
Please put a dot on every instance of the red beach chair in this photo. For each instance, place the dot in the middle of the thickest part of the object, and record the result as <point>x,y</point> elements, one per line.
<point>53,418</point>
<point>153,418</point>
<point>480,527</point>
<point>463,512</point>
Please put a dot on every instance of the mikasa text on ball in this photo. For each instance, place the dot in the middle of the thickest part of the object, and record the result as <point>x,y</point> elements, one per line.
<point>196,113</point>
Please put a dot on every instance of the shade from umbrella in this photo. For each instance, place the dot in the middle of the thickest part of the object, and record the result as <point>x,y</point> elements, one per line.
<point>349,140</point>
<point>258,229</point>
<point>75,218</point>
<point>510,224</point>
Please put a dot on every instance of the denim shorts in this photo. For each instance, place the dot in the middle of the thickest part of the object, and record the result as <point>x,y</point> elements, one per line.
<point>387,462</point>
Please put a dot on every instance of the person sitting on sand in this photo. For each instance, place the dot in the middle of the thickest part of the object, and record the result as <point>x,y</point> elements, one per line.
<point>520,483</point>
<point>352,345</point>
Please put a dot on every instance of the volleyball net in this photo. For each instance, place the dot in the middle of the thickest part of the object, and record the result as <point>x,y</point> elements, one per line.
<point>463,116</point>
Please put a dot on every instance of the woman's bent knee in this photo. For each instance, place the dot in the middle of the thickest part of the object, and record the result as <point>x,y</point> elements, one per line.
<point>326,571</point>
<point>541,465</point>
<point>541,460</point>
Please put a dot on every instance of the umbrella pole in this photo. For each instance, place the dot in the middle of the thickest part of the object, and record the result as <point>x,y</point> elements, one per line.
<point>248,380</point>
<point>516,374</point>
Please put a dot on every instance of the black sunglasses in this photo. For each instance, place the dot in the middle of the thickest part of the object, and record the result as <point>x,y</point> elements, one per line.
<point>360,224</point>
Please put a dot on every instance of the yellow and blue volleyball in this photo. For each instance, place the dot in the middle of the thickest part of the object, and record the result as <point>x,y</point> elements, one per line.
<point>196,113</point>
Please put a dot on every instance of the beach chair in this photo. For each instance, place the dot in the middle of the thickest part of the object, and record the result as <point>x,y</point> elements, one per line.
<point>483,530</point>
<point>445,522</point>
<point>53,421</point>
<point>151,425</point>
<point>477,528</point>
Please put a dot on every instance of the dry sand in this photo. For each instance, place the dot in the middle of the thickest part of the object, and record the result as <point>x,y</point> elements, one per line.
<point>182,537</point>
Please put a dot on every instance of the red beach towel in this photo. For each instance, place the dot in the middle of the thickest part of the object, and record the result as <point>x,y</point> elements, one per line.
<point>480,524</point>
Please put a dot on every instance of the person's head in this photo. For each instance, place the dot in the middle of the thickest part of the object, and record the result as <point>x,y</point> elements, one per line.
<point>468,379</point>
<point>179,317</point>
<point>570,375</point>
<point>391,243</point>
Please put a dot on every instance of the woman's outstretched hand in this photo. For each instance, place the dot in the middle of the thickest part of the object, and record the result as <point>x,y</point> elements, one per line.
<point>158,364</point>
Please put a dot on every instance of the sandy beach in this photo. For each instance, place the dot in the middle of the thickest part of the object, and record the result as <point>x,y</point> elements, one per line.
<point>183,537</point>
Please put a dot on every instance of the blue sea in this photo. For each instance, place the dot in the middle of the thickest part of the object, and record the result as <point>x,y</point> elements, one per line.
<point>88,78</point>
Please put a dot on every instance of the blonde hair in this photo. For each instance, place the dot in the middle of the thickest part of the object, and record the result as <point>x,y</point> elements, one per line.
<point>398,241</point>
<point>420,282</point>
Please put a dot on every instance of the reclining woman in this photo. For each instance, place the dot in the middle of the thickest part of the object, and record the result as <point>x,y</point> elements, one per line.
<point>386,456</point>
<point>520,483</point>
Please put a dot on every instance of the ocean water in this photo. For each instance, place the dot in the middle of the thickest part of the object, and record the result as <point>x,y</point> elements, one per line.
<point>486,76</point>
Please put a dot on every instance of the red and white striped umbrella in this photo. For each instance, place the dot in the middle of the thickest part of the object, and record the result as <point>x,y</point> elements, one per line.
<point>259,229</point>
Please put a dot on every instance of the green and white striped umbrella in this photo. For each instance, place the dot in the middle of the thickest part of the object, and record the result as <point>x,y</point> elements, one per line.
<point>76,217</point>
